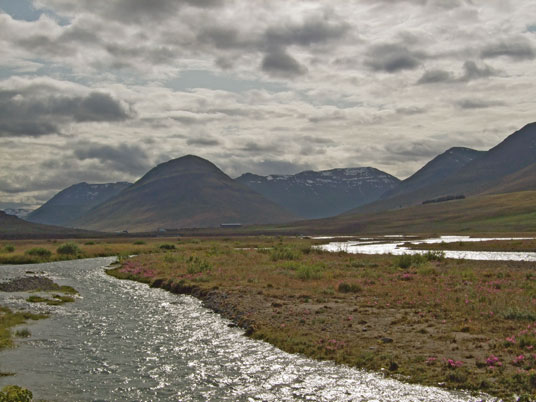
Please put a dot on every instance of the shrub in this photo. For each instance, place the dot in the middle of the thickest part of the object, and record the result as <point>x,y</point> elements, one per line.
<point>14,393</point>
<point>284,253</point>
<point>68,249</point>
<point>434,255</point>
<point>309,272</point>
<point>167,247</point>
<point>139,242</point>
<point>345,287</point>
<point>404,261</point>
<point>89,243</point>
<point>197,265</point>
<point>39,252</point>
<point>23,333</point>
<point>9,248</point>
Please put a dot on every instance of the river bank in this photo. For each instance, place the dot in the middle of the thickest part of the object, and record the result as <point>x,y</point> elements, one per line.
<point>457,324</point>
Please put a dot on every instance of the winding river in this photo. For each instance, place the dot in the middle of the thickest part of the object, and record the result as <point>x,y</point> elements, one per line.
<point>122,340</point>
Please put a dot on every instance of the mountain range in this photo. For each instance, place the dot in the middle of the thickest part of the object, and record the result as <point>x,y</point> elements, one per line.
<point>184,192</point>
<point>325,193</point>
<point>193,192</point>
<point>508,167</point>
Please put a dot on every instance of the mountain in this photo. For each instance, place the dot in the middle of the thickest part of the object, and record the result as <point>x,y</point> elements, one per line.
<point>507,167</point>
<point>436,170</point>
<point>184,192</point>
<point>325,193</point>
<point>12,227</point>
<point>69,204</point>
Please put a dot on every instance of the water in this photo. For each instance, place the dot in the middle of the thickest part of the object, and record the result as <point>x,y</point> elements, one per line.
<point>369,246</point>
<point>124,341</point>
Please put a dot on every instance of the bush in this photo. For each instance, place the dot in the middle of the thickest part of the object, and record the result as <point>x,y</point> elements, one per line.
<point>14,393</point>
<point>345,287</point>
<point>197,265</point>
<point>138,242</point>
<point>404,261</point>
<point>39,252</point>
<point>284,253</point>
<point>434,255</point>
<point>309,272</point>
<point>9,248</point>
<point>68,249</point>
<point>23,333</point>
<point>167,247</point>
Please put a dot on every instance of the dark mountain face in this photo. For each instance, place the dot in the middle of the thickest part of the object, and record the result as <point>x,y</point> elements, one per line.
<point>321,194</point>
<point>436,170</point>
<point>71,203</point>
<point>507,167</point>
<point>184,192</point>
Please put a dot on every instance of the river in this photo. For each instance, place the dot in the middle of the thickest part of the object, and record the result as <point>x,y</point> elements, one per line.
<point>123,341</point>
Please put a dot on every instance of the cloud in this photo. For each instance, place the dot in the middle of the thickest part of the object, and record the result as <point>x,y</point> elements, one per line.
<point>478,103</point>
<point>518,49</point>
<point>278,63</point>
<point>314,30</point>
<point>392,58</point>
<point>35,108</point>
<point>130,159</point>
<point>471,71</point>
<point>435,76</point>
<point>204,142</point>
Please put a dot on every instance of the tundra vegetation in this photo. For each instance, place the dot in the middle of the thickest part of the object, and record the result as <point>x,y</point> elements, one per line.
<point>425,319</point>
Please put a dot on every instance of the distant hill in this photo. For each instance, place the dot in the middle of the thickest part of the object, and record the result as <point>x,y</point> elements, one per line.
<point>71,203</point>
<point>12,227</point>
<point>184,192</point>
<point>325,193</point>
<point>439,168</point>
<point>507,167</point>
<point>510,212</point>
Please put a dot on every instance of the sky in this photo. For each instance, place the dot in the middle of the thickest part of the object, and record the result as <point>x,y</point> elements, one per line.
<point>103,90</point>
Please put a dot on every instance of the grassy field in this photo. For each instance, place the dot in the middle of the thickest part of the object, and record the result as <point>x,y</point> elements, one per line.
<point>37,251</point>
<point>460,324</point>
<point>512,212</point>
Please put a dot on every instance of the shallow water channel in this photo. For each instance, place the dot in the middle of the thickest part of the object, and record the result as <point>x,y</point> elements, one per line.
<point>124,341</point>
<point>396,247</point>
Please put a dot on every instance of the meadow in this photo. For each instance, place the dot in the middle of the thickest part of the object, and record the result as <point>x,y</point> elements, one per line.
<point>425,319</point>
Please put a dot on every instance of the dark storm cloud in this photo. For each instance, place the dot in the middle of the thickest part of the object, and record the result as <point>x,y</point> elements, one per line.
<point>278,63</point>
<point>517,49</point>
<point>123,158</point>
<point>392,58</point>
<point>478,103</point>
<point>31,112</point>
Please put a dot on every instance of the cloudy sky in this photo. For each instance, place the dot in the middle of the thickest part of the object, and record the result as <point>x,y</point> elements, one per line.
<point>102,90</point>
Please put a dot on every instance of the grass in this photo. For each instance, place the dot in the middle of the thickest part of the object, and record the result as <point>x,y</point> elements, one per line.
<point>10,319</point>
<point>429,319</point>
<point>39,251</point>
